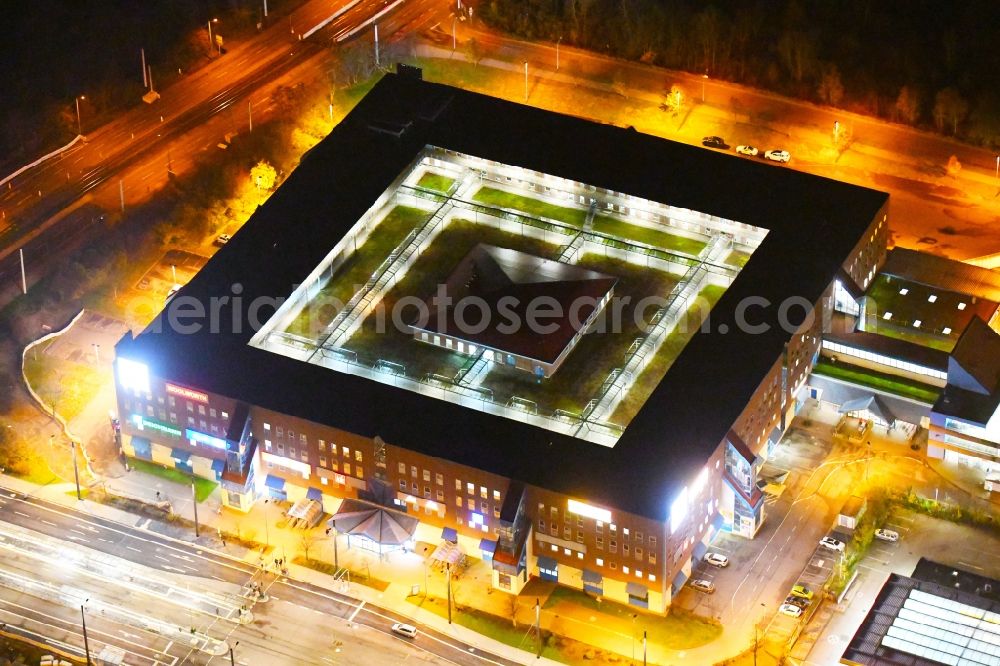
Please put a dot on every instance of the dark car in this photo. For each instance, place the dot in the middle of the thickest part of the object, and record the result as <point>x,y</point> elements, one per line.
<point>715,142</point>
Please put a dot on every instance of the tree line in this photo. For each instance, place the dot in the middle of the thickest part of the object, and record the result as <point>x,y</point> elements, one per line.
<point>916,62</point>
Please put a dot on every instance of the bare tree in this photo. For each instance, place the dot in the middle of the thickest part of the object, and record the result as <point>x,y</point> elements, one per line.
<point>831,90</point>
<point>949,107</point>
<point>797,52</point>
<point>307,541</point>
<point>674,100</point>
<point>908,104</point>
<point>473,51</point>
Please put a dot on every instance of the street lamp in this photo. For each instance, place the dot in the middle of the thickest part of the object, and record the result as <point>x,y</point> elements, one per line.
<point>76,472</point>
<point>211,40</point>
<point>704,77</point>
<point>525,80</point>
<point>557,52</point>
<point>79,124</point>
<point>83,620</point>
<point>232,659</point>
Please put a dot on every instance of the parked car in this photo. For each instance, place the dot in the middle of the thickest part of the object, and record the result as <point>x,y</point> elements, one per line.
<point>777,155</point>
<point>715,142</point>
<point>407,630</point>
<point>702,585</point>
<point>223,239</point>
<point>886,535</point>
<point>832,544</point>
<point>801,591</point>
<point>790,610</point>
<point>716,560</point>
<point>747,150</point>
<point>797,601</point>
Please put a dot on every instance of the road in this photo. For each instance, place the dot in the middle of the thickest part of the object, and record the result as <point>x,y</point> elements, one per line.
<point>951,214</point>
<point>176,128</point>
<point>284,630</point>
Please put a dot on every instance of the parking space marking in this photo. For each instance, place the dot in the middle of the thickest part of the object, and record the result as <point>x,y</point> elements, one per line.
<point>971,566</point>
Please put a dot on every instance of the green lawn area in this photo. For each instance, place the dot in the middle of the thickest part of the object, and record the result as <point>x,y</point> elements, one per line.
<point>675,631</point>
<point>533,207</point>
<point>654,237</point>
<point>879,380</point>
<point>738,258</point>
<point>596,354</point>
<point>433,267</point>
<point>435,181</point>
<point>667,354</point>
<point>356,270</point>
<point>493,626</point>
<point>63,384</point>
<point>202,487</point>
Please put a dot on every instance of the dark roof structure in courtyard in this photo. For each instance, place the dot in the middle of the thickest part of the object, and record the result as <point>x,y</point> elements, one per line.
<point>496,274</point>
<point>814,224</point>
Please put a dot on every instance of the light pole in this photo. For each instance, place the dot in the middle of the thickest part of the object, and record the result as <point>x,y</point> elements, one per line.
<point>97,352</point>
<point>454,39</point>
<point>557,52</point>
<point>267,533</point>
<point>448,566</point>
<point>525,80</point>
<point>83,619</point>
<point>704,78</point>
<point>232,659</point>
<point>997,174</point>
<point>79,123</point>
<point>211,40</point>
<point>76,471</point>
<point>643,647</point>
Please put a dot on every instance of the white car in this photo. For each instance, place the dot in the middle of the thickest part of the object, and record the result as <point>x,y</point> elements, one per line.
<point>223,239</point>
<point>747,150</point>
<point>790,610</point>
<point>407,630</point>
<point>886,535</point>
<point>702,585</point>
<point>716,560</point>
<point>777,155</point>
<point>832,544</point>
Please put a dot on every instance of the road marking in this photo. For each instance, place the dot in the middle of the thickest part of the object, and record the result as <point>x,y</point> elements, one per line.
<point>160,557</point>
<point>971,566</point>
<point>77,531</point>
<point>20,513</point>
<point>356,611</point>
<point>135,549</point>
<point>48,522</point>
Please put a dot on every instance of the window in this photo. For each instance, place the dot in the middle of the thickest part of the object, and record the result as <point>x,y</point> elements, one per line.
<point>427,473</point>
<point>225,415</point>
<point>496,510</point>
<point>484,507</point>
<point>358,458</point>
<point>402,485</point>
<point>304,456</point>
<point>458,484</point>
<point>625,569</point>
<point>946,330</point>
<point>579,536</point>
<point>347,468</point>
<point>625,531</point>
<point>291,451</point>
<point>280,432</point>
<point>471,504</point>
<point>496,495</point>
<point>625,548</point>
<point>932,298</point>
<point>201,409</point>
<point>961,306</point>
<point>413,471</point>
<point>458,500</point>
<point>401,467</point>
<point>613,546</point>
<point>173,403</point>
<point>267,426</point>
<point>916,324</point>
<point>322,461</point>
<point>614,528</point>
<point>190,407</point>
<point>303,439</point>
<point>281,448</point>
<point>359,471</point>
<point>600,543</point>
<point>211,412</point>
<point>413,485</point>
<point>567,533</point>
<point>482,492</point>
<point>470,489</point>
<point>579,521</point>
<point>541,525</point>
<point>291,435</point>
<point>652,557</point>
<point>427,491</point>
<point>614,565</point>
<point>638,553</point>
<point>439,479</point>
<point>599,562</point>
<point>440,495</point>
<point>638,537</point>
<point>887,316</point>
<point>904,291</point>
<point>652,578</point>
<point>567,551</point>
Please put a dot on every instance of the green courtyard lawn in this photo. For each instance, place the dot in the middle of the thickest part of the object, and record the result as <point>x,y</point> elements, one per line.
<point>373,342</point>
<point>202,487</point>
<point>491,196</point>
<point>64,385</point>
<point>661,239</point>
<point>738,258</point>
<point>596,354</point>
<point>667,353</point>
<point>896,385</point>
<point>677,630</point>
<point>436,182</point>
<point>357,270</point>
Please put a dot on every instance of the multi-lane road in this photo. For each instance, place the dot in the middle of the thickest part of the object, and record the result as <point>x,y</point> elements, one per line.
<point>169,602</point>
<point>35,204</point>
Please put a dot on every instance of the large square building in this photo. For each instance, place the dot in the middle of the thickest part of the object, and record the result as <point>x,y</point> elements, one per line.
<point>291,366</point>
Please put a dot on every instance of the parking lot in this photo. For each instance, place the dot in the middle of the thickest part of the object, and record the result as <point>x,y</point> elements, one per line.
<point>955,545</point>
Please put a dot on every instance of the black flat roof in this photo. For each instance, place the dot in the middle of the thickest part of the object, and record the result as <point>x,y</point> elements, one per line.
<point>814,224</point>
